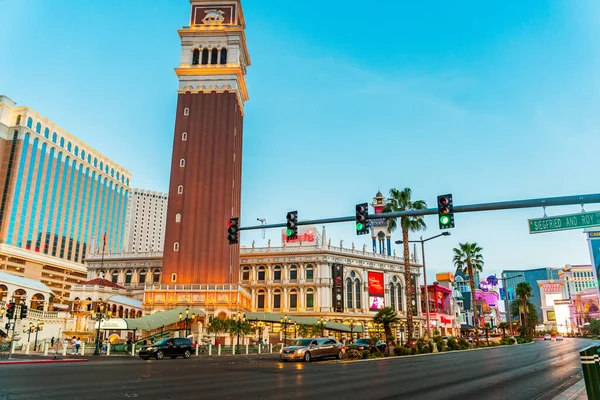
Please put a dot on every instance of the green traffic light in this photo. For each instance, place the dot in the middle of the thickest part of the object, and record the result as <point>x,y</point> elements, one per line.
<point>444,220</point>
<point>359,226</point>
<point>289,232</point>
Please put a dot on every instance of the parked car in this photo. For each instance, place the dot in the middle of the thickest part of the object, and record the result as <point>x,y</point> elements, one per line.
<point>169,347</point>
<point>365,344</point>
<point>311,348</point>
<point>559,337</point>
<point>547,336</point>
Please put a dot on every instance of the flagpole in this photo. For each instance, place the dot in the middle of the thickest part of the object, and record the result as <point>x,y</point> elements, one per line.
<point>102,260</point>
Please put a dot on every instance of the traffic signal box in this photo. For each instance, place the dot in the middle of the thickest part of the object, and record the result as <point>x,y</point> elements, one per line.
<point>10,310</point>
<point>362,211</point>
<point>232,230</point>
<point>445,211</point>
<point>292,225</point>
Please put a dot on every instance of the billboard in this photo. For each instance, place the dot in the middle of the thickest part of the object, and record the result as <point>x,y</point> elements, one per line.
<point>376,290</point>
<point>552,288</point>
<point>594,240</point>
<point>337,273</point>
<point>306,234</point>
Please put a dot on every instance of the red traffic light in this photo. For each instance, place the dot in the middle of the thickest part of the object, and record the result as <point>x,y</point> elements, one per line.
<point>443,201</point>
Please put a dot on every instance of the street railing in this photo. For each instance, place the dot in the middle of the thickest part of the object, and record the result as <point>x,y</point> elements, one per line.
<point>590,364</point>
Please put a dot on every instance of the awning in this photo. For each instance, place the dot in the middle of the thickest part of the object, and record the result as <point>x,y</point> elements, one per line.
<point>149,322</point>
<point>274,317</point>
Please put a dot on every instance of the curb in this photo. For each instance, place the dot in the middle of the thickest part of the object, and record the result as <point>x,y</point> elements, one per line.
<point>577,391</point>
<point>46,361</point>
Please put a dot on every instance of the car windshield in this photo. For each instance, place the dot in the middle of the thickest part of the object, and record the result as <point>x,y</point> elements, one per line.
<point>162,342</point>
<point>301,342</point>
<point>362,341</point>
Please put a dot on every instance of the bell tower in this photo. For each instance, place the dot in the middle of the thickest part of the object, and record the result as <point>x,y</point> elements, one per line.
<point>206,168</point>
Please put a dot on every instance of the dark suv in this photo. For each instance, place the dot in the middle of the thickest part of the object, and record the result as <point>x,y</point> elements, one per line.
<point>169,347</point>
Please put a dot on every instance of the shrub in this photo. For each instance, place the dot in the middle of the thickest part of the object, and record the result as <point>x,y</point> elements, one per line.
<point>453,344</point>
<point>354,354</point>
<point>463,343</point>
<point>365,354</point>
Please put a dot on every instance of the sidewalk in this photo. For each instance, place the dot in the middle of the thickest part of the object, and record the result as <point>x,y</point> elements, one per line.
<point>575,392</point>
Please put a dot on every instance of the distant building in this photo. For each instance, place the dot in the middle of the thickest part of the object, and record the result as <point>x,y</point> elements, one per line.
<point>530,276</point>
<point>577,279</point>
<point>146,219</point>
<point>462,284</point>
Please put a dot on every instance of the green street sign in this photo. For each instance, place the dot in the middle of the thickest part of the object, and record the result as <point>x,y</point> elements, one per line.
<point>564,222</point>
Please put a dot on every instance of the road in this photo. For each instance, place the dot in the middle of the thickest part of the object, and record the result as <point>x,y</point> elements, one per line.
<point>533,371</point>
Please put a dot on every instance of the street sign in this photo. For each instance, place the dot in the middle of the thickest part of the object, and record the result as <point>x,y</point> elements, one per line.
<point>564,222</point>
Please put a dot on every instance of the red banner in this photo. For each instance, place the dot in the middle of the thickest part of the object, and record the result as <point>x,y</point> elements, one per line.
<point>376,283</point>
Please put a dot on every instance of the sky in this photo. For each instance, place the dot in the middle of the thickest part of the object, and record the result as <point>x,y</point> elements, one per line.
<point>489,101</point>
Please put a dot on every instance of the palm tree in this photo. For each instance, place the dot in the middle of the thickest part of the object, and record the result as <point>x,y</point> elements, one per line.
<point>386,317</point>
<point>401,201</point>
<point>468,257</point>
<point>523,292</point>
<point>504,326</point>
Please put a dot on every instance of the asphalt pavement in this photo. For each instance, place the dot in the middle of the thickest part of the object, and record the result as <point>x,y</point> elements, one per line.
<point>533,371</point>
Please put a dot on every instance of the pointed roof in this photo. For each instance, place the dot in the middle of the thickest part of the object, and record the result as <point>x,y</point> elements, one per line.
<point>102,282</point>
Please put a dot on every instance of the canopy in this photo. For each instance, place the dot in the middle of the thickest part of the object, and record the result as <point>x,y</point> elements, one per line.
<point>149,322</point>
<point>274,317</point>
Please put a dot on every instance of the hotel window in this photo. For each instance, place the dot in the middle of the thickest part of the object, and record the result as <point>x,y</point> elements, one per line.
<point>310,299</point>
<point>214,56</point>
<point>177,217</point>
<point>277,300</point>
<point>349,302</point>
<point>182,163</point>
<point>46,133</point>
<point>18,120</point>
<point>310,273</point>
<point>173,277</point>
<point>293,273</point>
<point>180,189</point>
<point>156,276</point>
<point>392,297</point>
<point>62,142</point>
<point>246,274</point>
<point>176,246</point>
<point>204,56</point>
<point>357,294</point>
<point>184,136</point>
<point>30,123</point>
<point>76,150</point>
<point>101,165</point>
<point>142,276</point>
<point>277,273</point>
<point>223,56</point>
<point>115,276</point>
<point>128,276</point>
<point>293,300</point>
<point>196,57</point>
<point>399,295</point>
<point>186,111</point>
<point>261,274</point>
<point>69,146</point>
<point>260,300</point>
<point>54,137</point>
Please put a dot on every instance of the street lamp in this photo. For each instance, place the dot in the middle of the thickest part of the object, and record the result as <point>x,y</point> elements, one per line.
<point>506,305</point>
<point>285,321</point>
<point>240,320</point>
<point>29,330</point>
<point>187,318</point>
<point>322,323</point>
<point>422,241</point>
<point>351,325</point>
<point>38,327</point>
<point>99,316</point>
<point>260,325</point>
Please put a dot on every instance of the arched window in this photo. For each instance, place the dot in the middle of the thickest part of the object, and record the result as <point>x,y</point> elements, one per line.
<point>118,175</point>
<point>310,299</point>
<point>18,120</point>
<point>349,290</point>
<point>293,300</point>
<point>223,56</point>
<point>173,277</point>
<point>262,276</point>
<point>112,172</point>
<point>293,273</point>
<point>83,155</point>
<point>260,300</point>
<point>127,181</point>
<point>120,311</point>
<point>101,165</point>
<point>127,313</point>
<point>88,303</point>
<point>62,142</point>
<point>196,57</point>
<point>246,274</point>
<point>54,137</point>
<point>277,273</point>
<point>177,217</point>
<point>142,276</point>
<point>3,291</point>
<point>392,296</point>
<point>310,272</point>
<point>182,162</point>
<point>30,123</point>
<point>115,276</point>
<point>184,136</point>
<point>19,295</point>
<point>176,246</point>
<point>46,133</point>
<point>106,169</point>
<point>357,294</point>
<point>399,295</point>
<point>38,128</point>
<point>76,151</point>
<point>69,145</point>
<point>214,56</point>
<point>186,111</point>
<point>276,299</point>
<point>204,56</point>
<point>156,276</point>
<point>180,189</point>
<point>128,276</point>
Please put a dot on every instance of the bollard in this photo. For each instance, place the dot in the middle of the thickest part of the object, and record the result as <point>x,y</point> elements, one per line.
<point>259,348</point>
<point>46,348</point>
<point>65,350</point>
<point>233,350</point>
<point>197,350</point>
<point>108,349</point>
<point>133,349</point>
<point>210,349</point>
<point>219,350</point>
<point>82,349</point>
<point>27,349</point>
<point>270,347</point>
<point>246,348</point>
<point>590,372</point>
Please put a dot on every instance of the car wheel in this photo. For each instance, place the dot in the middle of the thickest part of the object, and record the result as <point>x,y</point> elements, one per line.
<point>145,358</point>
<point>160,355</point>
<point>187,354</point>
<point>307,357</point>
<point>340,355</point>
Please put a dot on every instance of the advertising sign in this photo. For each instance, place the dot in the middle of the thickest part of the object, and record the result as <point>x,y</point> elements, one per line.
<point>551,316</point>
<point>376,302</point>
<point>305,235</point>
<point>376,290</point>
<point>337,273</point>
<point>552,288</point>
<point>594,240</point>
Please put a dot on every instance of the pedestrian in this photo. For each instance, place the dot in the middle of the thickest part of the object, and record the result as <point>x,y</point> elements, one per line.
<point>128,346</point>
<point>217,342</point>
<point>74,344</point>
<point>52,342</point>
<point>77,345</point>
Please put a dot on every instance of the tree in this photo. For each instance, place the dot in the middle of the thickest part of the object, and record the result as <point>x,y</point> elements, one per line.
<point>401,201</point>
<point>386,317</point>
<point>532,315</point>
<point>216,326</point>
<point>504,326</point>
<point>235,328</point>
<point>487,331</point>
<point>523,293</point>
<point>468,258</point>
<point>594,327</point>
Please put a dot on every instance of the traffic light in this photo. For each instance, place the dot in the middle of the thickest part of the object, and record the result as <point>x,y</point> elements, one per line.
<point>292,225</point>
<point>232,231</point>
<point>445,211</point>
<point>23,311</point>
<point>10,310</point>
<point>362,211</point>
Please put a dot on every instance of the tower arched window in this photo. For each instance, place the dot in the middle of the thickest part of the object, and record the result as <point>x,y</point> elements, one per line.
<point>30,123</point>
<point>245,274</point>
<point>186,111</point>
<point>184,136</point>
<point>204,56</point>
<point>18,120</point>
<point>357,288</point>
<point>392,296</point>
<point>223,56</point>
<point>176,246</point>
<point>180,189</point>
<point>177,217</point>
<point>142,278</point>
<point>349,290</point>
<point>214,56</point>
<point>173,277</point>
<point>182,162</point>
<point>196,57</point>
<point>128,276</point>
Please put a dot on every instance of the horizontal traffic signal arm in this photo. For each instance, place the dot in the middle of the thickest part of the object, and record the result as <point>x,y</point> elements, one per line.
<point>503,205</point>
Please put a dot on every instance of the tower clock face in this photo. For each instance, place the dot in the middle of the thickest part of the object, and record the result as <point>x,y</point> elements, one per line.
<point>339,297</point>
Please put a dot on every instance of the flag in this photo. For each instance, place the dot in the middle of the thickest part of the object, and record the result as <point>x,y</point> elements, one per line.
<point>502,294</point>
<point>104,242</point>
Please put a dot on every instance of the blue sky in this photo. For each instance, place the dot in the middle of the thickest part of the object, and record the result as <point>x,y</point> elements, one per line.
<point>489,101</point>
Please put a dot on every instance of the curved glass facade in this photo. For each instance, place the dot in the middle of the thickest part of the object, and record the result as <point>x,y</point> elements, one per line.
<point>27,190</point>
<point>19,181</point>
<point>37,193</point>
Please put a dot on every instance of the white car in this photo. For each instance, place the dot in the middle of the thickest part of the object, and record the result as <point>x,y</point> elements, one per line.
<point>547,336</point>
<point>559,337</point>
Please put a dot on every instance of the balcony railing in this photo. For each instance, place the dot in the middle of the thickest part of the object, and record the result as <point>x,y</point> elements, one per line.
<point>196,288</point>
<point>320,247</point>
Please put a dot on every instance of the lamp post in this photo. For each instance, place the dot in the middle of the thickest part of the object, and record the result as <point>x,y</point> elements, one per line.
<point>295,330</point>
<point>100,315</point>
<point>422,241</point>
<point>260,325</point>
<point>38,327</point>
<point>322,323</point>
<point>285,321</point>
<point>29,330</point>
<point>240,320</point>
<point>351,325</point>
<point>187,318</point>
<point>506,305</point>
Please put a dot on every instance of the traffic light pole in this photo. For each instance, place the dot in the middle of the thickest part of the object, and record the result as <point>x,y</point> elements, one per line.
<point>503,205</point>
<point>12,337</point>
